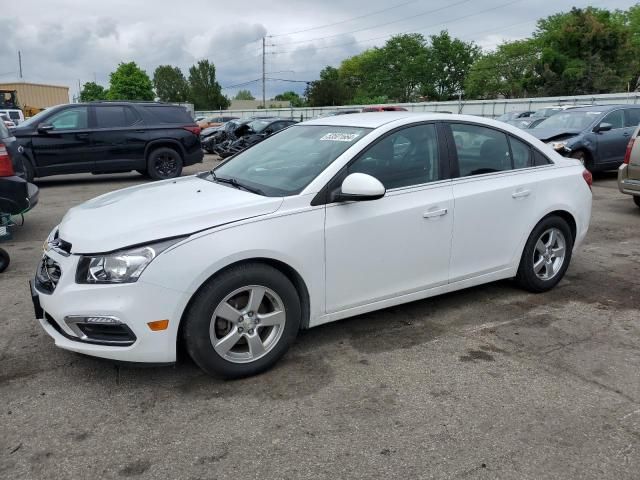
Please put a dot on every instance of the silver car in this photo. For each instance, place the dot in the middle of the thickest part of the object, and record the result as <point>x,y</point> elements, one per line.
<point>629,171</point>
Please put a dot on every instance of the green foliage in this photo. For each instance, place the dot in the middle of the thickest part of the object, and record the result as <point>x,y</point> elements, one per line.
<point>244,95</point>
<point>295,99</point>
<point>91,91</point>
<point>170,84</point>
<point>449,62</point>
<point>330,89</point>
<point>129,82</point>
<point>205,92</point>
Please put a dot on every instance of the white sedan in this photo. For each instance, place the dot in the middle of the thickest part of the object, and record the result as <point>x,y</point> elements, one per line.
<point>327,219</point>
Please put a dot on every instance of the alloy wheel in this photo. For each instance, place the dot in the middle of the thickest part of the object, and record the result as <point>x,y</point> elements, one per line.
<point>549,254</point>
<point>247,324</point>
<point>166,165</point>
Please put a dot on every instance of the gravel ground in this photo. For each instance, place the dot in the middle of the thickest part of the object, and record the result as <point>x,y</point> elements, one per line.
<point>488,383</point>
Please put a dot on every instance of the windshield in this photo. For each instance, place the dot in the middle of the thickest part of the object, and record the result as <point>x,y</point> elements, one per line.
<point>508,116</point>
<point>545,112</point>
<point>285,163</point>
<point>259,125</point>
<point>570,120</point>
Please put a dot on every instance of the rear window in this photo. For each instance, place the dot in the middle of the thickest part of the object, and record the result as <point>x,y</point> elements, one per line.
<point>169,114</point>
<point>13,115</point>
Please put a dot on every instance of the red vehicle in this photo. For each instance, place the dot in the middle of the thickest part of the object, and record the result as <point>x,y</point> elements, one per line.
<point>384,108</point>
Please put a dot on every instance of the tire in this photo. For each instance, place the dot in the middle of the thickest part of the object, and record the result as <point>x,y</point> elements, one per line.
<point>29,171</point>
<point>584,159</point>
<point>636,199</point>
<point>531,273</point>
<point>164,163</point>
<point>229,294</point>
<point>4,260</point>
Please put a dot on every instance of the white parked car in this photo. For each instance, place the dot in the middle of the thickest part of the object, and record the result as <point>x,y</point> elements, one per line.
<point>327,219</point>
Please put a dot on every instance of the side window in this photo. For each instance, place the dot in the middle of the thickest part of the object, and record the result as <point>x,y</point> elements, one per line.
<point>521,153</point>
<point>539,159</point>
<point>632,117</point>
<point>115,116</point>
<point>616,119</point>
<point>404,158</point>
<point>480,149</point>
<point>70,119</point>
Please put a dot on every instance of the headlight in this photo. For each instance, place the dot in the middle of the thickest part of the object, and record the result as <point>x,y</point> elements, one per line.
<point>559,146</point>
<point>124,266</point>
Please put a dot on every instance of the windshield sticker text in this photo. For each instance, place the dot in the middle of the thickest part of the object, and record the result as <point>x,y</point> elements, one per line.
<point>340,137</point>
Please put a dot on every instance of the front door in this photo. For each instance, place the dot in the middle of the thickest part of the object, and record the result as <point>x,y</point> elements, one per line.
<point>66,148</point>
<point>398,244</point>
<point>613,143</point>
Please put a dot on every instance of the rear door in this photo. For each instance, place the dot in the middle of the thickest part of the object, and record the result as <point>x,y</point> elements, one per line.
<point>494,194</point>
<point>119,138</point>
<point>66,148</point>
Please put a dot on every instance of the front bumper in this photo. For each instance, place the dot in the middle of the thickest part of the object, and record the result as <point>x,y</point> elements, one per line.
<point>625,184</point>
<point>17,195</point>
<point>132,304</point>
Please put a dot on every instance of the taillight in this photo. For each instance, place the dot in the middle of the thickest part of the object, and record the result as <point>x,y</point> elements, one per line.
<point>588,177</point>
<point>6,166</point>
<point>627,153</point>
<point>195,130</point>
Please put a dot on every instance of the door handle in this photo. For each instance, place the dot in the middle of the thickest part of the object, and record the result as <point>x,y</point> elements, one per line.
<point>435,213</point>
<point>521,193</point>
<point>82,135</point>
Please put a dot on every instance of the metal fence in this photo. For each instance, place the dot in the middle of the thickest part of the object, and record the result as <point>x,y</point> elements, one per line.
<point>484,108</point>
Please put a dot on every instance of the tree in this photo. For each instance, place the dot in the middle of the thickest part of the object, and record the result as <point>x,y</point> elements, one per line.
<point>244,95</point>
<point>586,51</point>
<point>170,84</point>
<point>91,91</point>
<point>449,61</point>
<point>204,91</point>
<point>292,97</point>
<point>129,82</point>
<point>509,72</point>
<point>330,89</point>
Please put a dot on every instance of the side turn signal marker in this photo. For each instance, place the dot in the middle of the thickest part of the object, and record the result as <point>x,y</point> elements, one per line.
<point>158,325</point>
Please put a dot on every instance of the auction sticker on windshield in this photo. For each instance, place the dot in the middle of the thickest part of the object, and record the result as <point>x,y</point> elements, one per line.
<point>340,137</point>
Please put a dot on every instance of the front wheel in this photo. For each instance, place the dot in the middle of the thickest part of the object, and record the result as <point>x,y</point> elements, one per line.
<point>242,321</point>
<point>546,255</point>
<point>164,163</point>
<point>4,260</point>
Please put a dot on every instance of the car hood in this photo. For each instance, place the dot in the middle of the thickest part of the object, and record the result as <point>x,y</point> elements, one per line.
<point>547,134</point>
<point>158,210</point>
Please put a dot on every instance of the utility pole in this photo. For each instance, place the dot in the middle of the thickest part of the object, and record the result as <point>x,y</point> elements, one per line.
<point>20,63</point>
<point>264,98</point>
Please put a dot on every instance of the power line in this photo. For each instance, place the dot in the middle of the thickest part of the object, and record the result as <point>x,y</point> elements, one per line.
<point>343,21</point>
<point>411,31</point>
<point>241,84</point>
<point>411,17</point>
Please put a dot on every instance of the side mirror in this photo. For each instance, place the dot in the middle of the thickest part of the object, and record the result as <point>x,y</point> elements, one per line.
<point>603,127</point>
<point>360,187</point>
<point>44,128</point>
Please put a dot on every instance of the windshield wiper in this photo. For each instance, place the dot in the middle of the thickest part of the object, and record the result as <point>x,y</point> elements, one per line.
<point>235,183</point>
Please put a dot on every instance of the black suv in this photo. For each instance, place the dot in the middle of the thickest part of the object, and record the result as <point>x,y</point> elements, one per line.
<point>156,139</point>
<point>16,194</point>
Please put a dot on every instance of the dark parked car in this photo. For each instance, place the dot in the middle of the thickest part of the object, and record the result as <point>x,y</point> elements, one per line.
<point>595,135</point>
<point>251,133</point>
<point>156,139</point>
<point>16,194</point>
<point>384,108</point>
<point>515,115</point>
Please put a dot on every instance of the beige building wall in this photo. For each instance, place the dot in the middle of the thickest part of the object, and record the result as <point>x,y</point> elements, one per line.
<point>38,95</point>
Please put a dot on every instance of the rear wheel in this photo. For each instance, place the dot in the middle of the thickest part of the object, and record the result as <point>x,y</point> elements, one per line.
<point>4,260</point>
<point>546,255</point>
<point>242,321</point>
<point>636,199</point>
<point>29,171</point>
<point>164,163</point>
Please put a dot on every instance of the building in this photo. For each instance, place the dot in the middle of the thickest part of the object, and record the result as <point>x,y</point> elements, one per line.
<point>254,104</point>
<point>37,96</point>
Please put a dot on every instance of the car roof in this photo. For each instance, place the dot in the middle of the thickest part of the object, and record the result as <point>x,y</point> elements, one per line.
<point>601,108</point>
<point>377,119</point>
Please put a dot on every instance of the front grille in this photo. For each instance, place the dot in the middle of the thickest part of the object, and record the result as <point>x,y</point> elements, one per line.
<point>48,275</point>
